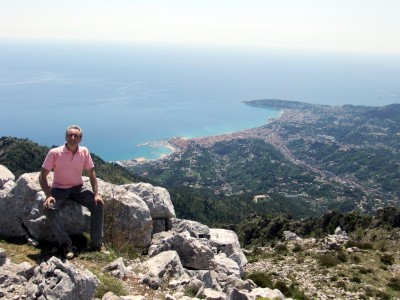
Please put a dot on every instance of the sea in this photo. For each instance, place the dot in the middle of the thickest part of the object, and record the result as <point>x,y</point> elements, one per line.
<point>129,97</point>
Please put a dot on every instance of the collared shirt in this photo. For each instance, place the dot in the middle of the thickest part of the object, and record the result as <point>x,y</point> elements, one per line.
<point>67,166</point>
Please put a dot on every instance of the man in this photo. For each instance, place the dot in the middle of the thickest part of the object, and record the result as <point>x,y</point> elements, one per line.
<point>68,162</point>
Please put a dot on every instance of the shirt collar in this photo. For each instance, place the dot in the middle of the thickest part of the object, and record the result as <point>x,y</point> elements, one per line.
<point>65,148</point>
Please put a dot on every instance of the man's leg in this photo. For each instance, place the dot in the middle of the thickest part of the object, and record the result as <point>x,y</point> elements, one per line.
<point>53,215</point>
<point>85,197</point>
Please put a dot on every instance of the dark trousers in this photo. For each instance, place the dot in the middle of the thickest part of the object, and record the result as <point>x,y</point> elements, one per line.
<point>84,197</point>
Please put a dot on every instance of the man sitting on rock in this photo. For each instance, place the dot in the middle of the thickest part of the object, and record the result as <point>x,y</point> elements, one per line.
<point>68,162</point>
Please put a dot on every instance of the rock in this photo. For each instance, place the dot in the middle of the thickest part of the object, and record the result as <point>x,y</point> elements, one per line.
<point>159,225</point>
<point>5,176</point>
<point>157,199</point>
<point>195,229</point>
<point>131,213</point>
<point>3,257</point>
<point>13,280</point>
<point>200,278</point>
<point>267,293</point>
<point>24,203</point>
<point>339,231</point>
<point>193,253</point>
<point>210,294</point>
<point>290,236</point>
<point>131,297</point>
<point>162,267</point>
<point>235,294</point>
<point>226,241</point>
<point>111,296</point>
<point>117,269</point>
<point>227,266</point>
<point>55,279</point>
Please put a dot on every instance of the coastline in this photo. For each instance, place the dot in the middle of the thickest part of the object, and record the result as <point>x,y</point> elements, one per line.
<point>177,143</point>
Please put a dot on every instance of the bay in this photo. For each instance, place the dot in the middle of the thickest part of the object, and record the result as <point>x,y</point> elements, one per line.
<point>125,95</point>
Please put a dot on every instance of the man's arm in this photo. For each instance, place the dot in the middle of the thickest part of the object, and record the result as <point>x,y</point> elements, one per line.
<point>46,188</point>
<point>95,187</point>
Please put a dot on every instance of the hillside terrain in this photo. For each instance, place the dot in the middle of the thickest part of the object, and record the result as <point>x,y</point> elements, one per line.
<point>306,258</point>
<point>317,156</point>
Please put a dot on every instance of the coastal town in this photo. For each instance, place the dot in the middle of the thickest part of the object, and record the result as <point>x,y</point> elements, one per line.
<point>298,124</point>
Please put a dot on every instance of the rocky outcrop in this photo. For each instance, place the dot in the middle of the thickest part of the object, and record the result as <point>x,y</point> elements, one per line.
<point>6,179</point>
<point>158,202</point>
<point>130,211</point>
<point>53,279</point>
<point>182,254</point>
<point>22,202</point>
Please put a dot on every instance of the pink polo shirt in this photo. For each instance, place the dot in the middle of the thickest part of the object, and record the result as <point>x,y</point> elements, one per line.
<point>67,166</point>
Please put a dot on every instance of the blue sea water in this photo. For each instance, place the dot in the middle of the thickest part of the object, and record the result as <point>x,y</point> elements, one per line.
<point>124,95</point>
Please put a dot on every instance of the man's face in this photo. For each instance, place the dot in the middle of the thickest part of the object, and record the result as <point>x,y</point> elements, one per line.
<point>73,137</point>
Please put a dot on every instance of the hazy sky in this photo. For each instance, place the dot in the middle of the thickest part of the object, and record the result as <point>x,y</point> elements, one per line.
<point>334,25</point>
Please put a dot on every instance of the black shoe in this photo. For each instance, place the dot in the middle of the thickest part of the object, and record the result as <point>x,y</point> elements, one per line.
<point>67,250</point>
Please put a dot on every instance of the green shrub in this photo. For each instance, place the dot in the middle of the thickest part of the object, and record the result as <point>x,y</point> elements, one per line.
<point>297,248</point>
<point>341,284</point>
<point>355,279</point>
<point>376,294</point>
<point>281,285</point>
<point>262,279</point>
<point>381,245</point>
<point>334,278</point>
<point>281,248</point>
<point>394,283</point>
<point>387,259</point>
<point>110,284</point>
<point>360,245</point>
<point>191,291</point>
<point>363,270</point>
<point>355,259</point>
<point>342,256</point>
<point>328,260</point>
<point>291,291</point>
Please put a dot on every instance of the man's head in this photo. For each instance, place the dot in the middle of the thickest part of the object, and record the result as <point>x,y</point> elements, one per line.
<point>73,135</point>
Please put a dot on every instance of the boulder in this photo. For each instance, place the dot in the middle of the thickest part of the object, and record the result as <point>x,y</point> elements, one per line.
<point>195,229</point>
<point>226,241</point>
<point>161,268</point>
<point>235,294</point>
<point>266,293</point>
<point>290,236</point>
<point>13,279</point>
<point>23,205</point>
<point>227,266</point>
<point>3,257</point>
<point>200,278</point>
<point>111,296</point>
<point>117,269</point>
<point>53,279</point>
<point>193,253</point>
<point>5,176</point>
<point>157,199</point>
<point>130,213</point>
<point>210,294</point>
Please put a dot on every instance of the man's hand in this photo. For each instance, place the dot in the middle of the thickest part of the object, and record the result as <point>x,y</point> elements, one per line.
<point>49,202</point>
<point>98,199</point>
